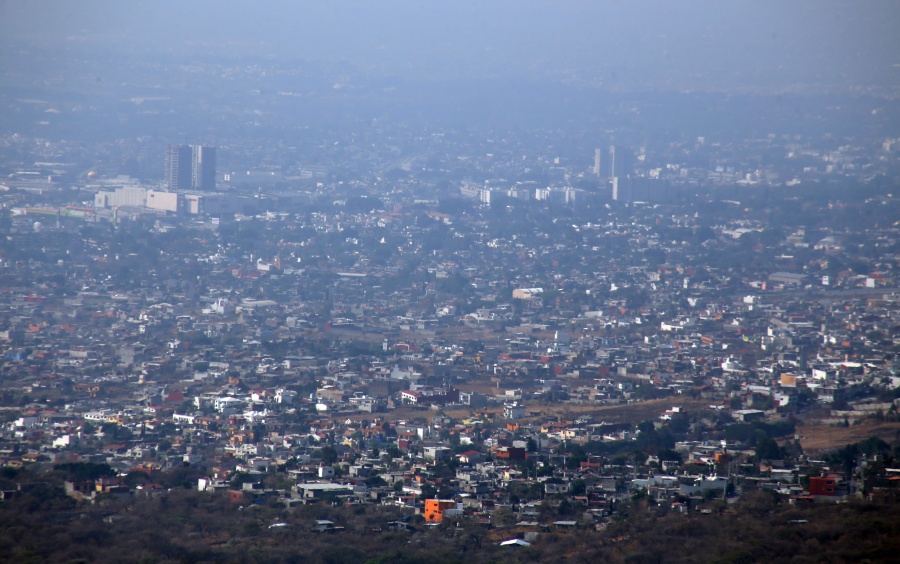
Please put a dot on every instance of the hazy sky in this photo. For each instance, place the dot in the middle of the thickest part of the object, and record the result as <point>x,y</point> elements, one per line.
<point>656,43</point>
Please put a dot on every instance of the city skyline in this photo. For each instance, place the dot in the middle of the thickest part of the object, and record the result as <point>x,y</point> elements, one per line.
<point>480,281</point>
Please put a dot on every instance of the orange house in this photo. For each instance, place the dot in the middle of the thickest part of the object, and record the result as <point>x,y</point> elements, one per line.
<point>434,509</point>
<point>824,485</point>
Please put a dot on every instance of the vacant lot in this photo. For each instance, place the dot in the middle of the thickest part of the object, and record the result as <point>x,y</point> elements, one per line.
<point>816,438</point>
<point>629,413</point>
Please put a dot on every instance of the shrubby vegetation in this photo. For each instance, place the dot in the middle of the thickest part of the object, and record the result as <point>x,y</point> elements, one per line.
<point>40,524</point>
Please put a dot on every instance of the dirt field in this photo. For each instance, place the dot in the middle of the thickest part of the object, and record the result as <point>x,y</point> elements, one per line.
<point>813,437</point>
<point>630,413</point>
<point>816,438</point>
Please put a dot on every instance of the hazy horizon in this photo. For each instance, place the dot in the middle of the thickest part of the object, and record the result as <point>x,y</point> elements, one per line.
<point>649,45</point>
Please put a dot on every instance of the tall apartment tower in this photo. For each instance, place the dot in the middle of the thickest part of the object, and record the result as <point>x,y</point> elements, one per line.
<point>612,162</point>
<point>190,167</point>
<point>620,163</point>
<point>597,159</point>
<point>179,170</point>
<point>203,167</point>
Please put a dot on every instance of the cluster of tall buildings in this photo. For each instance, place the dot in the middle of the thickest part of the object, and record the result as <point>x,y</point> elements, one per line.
<point>616,169</point>
<point>617,164</point>
<point>611,168</point>
<point>190,167</point>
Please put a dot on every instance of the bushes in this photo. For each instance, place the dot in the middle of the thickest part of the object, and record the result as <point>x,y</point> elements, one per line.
<point>752,432</point>
<point>81,471</point>
<point>185,525</point>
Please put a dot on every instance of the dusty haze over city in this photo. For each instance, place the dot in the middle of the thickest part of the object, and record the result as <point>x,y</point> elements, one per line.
<point>472,281</point>
<point>702,45</point>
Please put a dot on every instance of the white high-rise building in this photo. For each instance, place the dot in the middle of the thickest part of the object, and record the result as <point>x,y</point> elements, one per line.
<point>203,167</point>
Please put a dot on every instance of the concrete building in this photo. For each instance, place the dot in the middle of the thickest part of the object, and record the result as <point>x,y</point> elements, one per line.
<point>190,166</point>
<point>436,509</point>
<point>164,201</point>
<point>129,196</point>
<point>203,168</point>
<point>178,173</point>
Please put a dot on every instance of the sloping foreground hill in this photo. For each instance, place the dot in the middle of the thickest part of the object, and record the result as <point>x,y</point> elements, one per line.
<point>40,524</point>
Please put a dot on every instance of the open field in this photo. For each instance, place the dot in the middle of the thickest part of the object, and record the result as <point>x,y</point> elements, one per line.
<point>626,413</point>
<point>632,413</point>
<point>815,438</point>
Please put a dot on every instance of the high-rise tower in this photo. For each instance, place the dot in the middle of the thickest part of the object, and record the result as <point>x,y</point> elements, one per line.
<point>203,167</point>
<point>612,162</point>
<point>620,163</point>
<point>178,167</point>
<point>190,166</point>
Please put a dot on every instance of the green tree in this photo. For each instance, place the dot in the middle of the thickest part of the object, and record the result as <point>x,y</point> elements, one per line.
<point>376,482</point>
<point>329,455</point>
<point>578,487</point>
<point>428,492</point>
<point>768,449</point>
<point>80,471</point>
<point>136,477</point>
